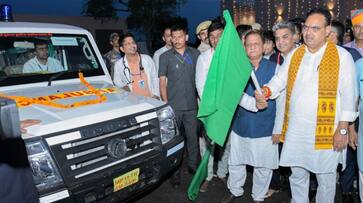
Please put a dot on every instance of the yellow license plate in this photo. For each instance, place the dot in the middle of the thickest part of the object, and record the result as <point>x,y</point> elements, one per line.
<point>126,179</point>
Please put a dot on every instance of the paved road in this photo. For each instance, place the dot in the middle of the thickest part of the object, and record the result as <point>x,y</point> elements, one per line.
<point>217,190</point>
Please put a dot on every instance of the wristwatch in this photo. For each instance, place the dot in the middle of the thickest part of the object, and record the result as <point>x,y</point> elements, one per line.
<point>343,131</point>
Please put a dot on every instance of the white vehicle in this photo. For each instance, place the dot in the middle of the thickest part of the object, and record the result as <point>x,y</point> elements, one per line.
<point>95,142</point>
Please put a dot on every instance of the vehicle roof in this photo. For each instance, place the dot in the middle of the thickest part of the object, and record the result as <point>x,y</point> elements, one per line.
<point>27,27</point>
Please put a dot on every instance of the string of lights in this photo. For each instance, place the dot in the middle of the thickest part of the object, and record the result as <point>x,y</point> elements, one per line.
<point>267,12</point>
<point>289,9</point>
<point>302,6</point>
<point>240,13</point>
<point>338,9</point>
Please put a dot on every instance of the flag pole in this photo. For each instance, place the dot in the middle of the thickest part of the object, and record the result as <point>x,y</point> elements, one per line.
<point>255,82</point>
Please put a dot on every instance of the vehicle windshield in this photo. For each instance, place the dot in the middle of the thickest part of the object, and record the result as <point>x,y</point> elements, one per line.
<point>36,57</point>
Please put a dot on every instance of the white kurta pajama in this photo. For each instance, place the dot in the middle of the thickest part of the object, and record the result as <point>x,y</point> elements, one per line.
<point>251,143</point>
<point>201,73</point>
<point>247,151</point>
<point>299,146</point>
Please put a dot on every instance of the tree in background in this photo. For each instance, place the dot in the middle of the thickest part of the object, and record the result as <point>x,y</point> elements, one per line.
<point>100,9</point>
<point>146,16</point>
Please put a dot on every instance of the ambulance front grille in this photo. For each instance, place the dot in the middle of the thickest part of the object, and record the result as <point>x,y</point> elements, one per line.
<point>108,146</point>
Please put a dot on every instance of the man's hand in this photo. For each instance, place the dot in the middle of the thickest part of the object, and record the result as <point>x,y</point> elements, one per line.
<point>275,138</point>
<point>261,101</point>
<point>27,123</point>
<point>353,137</point>
<point>260,97</point>
<point>340,141</point>
<point>261,105</point>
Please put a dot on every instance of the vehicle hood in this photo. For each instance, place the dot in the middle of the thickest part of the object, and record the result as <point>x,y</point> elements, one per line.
<point>119,103</point>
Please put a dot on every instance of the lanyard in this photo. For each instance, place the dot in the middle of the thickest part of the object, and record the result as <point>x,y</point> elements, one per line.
<point>185,58</point>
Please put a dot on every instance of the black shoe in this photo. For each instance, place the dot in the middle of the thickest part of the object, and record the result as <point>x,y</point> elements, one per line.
<point>347,198</point>
<point>229,198</point>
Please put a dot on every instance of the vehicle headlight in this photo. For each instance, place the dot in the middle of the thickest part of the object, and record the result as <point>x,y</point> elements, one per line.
<point>168,127</point>
<point>45,172</point>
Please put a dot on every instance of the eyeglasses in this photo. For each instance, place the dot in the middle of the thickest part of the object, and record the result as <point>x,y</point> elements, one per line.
<point>305,28</point>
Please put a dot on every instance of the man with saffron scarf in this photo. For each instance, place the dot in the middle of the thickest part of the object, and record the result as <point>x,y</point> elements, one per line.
<point>321,93</point>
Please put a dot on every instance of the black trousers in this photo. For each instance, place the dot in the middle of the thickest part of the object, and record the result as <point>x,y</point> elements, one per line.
<point>188,120</point>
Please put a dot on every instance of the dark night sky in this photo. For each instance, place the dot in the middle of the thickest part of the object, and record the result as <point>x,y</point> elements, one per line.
<point>194,10</point>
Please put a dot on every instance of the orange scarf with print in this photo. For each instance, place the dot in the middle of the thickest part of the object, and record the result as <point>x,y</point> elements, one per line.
<point>328,84</point>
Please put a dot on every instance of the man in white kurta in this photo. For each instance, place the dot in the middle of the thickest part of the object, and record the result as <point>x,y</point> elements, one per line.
<point>251,132</point>
<point>203,64</point>
<point>214,33</point>
<point>299,150</point>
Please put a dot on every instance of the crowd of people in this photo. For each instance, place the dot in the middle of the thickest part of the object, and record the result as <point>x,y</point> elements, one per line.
<point>301,131</point>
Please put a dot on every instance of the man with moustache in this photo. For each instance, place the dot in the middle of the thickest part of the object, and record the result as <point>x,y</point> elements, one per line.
<point>318,74</point>
<point>177,88</point>
<point>202,34</point>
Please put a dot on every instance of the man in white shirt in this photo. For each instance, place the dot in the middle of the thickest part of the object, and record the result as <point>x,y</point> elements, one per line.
<point>135,72</point>
<point>320,82</point>
<point>214,33</point>
<point>285,43</point>
<point>166,47</point>
<point>42,62</point>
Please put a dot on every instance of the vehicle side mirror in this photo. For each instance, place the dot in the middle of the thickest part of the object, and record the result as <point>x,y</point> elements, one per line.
<point>9,119</point>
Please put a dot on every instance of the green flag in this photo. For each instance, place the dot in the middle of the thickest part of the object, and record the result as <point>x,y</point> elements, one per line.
<point>199,176</point>
<point>228,75</point>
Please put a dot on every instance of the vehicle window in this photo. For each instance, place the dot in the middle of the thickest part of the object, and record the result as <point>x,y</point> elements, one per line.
<point>35,57</point>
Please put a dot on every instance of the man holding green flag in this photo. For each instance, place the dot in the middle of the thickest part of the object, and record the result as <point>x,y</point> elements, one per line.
<point>251,132</point>
<point>228,75</point>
